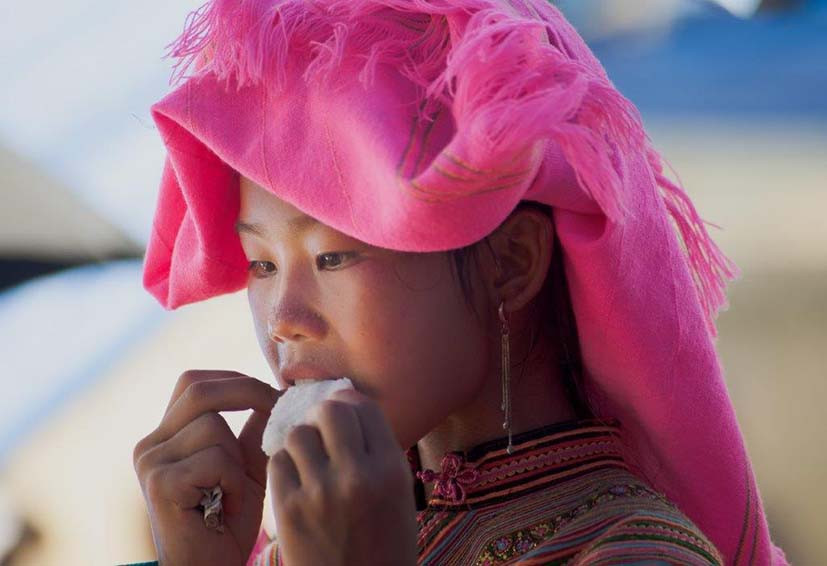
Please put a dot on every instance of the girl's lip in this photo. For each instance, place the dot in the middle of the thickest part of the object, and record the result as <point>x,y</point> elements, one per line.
<point>302,371</point>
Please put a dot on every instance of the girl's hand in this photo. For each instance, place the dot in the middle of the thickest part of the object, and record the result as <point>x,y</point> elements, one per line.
<point>194,448</point>
<point>343,489</point>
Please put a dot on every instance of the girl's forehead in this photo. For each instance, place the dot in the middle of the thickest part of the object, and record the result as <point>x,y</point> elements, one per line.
<point>264,215</point>
<point>254,196</point>
<point>259,203</point>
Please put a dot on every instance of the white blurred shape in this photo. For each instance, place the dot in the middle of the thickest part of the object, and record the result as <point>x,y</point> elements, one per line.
<point>741,8</point>
<point>78,81</point>
<point>59,334</point>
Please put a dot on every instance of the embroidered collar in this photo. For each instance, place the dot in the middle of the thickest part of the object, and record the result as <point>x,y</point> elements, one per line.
<point>487,474</point>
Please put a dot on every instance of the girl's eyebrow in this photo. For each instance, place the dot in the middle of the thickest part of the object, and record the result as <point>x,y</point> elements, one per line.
<point>295,224</point>
<point>254,229</point>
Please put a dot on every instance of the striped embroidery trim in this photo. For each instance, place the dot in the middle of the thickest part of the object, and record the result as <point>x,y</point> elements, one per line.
<point>552,457</point>
<point>542,461</point>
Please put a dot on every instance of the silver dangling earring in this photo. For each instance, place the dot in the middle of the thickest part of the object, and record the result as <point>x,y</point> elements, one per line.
<point>506,376</point>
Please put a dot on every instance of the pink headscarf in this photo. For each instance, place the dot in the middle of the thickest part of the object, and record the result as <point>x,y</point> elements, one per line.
<point>419,125</point>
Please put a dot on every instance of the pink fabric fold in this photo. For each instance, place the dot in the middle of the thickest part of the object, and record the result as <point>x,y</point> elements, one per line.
<point>419,125</point>
<point>262,542</point>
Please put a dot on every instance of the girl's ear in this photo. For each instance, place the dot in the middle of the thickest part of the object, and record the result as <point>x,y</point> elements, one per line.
<point>521,247</point>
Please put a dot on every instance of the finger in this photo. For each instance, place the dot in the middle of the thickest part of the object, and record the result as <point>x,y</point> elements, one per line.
<point>340,429</point>
<point>304,444</point>
<point>181,483</point>
<point>375,427</point>
<point>209,429</point>
<point>283,476</point>
<point>204,395</point>
<point>194,375</point>
<point>231,394</point>
<point>250,442</point>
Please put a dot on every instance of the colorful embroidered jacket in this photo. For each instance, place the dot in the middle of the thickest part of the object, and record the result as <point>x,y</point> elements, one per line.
<point>564,496</point>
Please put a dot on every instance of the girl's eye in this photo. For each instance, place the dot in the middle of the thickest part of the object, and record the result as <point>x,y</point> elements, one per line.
<point>328,261</point>
<point>332,260</point>
<point>255,268</point>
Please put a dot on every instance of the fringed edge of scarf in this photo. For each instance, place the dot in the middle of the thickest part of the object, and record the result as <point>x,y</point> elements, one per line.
<point>515,80</point>
<point>710,268</point>
<point>512,73</point>
<point>250,40</point>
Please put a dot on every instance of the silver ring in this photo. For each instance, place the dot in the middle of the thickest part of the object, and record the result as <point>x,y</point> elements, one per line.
<point>213,512</point>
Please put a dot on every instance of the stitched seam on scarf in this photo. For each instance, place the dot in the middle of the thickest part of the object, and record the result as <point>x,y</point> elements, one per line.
<point>339,176</point>
<point>740,546</point>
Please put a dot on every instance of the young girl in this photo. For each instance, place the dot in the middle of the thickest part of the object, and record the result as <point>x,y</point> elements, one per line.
<point>448,202</point>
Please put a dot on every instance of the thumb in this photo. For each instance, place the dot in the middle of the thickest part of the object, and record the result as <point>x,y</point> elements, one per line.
<point>250,440</point>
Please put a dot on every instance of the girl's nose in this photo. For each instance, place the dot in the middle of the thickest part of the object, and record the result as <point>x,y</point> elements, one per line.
<point>288,323</point>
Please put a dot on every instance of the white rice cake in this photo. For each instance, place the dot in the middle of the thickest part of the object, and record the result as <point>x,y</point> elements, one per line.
<point>294,407</point>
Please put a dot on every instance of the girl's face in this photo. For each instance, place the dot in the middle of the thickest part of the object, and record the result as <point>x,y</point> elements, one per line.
<point>395,323</point>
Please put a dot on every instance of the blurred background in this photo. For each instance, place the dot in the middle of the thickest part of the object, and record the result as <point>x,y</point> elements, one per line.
<point>733,93</point>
